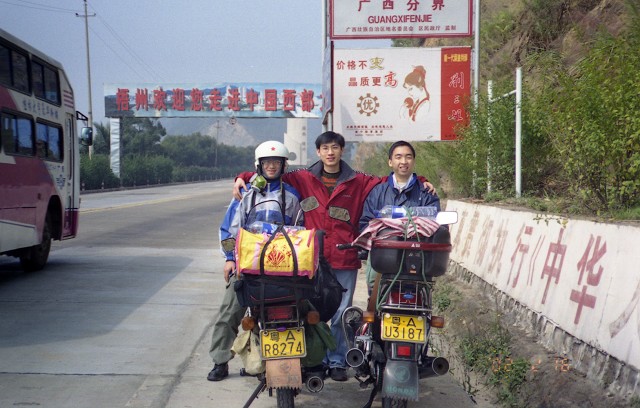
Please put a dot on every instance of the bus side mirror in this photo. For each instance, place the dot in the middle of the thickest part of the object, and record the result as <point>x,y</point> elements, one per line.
<point>86,136</point>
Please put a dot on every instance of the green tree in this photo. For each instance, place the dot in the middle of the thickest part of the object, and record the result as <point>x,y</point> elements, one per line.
<point>141,137</point>
<point>96,173</point>
<point>192,150</point>
<point>101,139</point>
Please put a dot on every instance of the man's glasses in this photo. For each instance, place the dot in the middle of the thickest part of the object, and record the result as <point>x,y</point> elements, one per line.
<point>270,163</point>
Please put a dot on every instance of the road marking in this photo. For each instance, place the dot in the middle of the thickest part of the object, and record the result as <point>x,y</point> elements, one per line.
<point>150,202</point>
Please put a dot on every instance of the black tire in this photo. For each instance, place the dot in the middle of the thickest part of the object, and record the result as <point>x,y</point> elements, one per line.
<point>394,403</point>
<point>35,258</point>
<point>285,397</point>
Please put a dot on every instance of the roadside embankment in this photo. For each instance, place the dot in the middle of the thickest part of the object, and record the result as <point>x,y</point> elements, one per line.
<point>569,287</point>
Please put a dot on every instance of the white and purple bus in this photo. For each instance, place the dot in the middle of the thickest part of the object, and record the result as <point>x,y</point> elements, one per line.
<point>39,153</point>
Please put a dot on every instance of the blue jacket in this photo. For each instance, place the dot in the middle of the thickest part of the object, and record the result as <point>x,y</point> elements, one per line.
<point>414,195</point>
<point>255,206</point>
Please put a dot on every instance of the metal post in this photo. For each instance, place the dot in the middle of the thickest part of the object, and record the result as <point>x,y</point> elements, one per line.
<point>489,131</point>
<point>518,137</point>
<point>518,131</point>
<point>86,32</point>
<point>217,142</point>
<point>476,48</point>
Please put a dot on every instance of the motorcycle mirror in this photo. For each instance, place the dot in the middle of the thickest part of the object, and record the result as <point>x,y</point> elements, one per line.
<point>447,217</point>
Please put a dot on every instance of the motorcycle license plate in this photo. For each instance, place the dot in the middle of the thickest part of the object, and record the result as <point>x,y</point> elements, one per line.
<point>282,344</point>
<point>407,328</point>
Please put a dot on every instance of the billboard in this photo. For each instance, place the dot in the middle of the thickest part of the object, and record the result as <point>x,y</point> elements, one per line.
<point>390,94</point>
<point>366,19</point>
<point>245,100</point>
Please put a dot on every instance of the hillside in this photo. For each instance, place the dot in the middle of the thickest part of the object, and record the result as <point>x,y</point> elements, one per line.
<point>245,132</point>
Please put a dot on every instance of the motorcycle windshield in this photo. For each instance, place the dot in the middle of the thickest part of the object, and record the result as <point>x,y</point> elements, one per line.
<point>268,211</point>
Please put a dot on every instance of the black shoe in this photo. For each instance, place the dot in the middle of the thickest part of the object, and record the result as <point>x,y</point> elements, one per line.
<point>338,374</point>
<point>219,372</point>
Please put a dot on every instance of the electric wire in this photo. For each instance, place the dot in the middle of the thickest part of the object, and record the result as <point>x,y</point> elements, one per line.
<point>45,7</point>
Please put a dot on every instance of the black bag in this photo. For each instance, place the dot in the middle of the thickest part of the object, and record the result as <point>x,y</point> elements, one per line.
<point>253,290</point>
<point>327,291</point>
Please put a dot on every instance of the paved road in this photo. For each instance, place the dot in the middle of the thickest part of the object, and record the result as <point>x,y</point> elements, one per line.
<point>121,316</point>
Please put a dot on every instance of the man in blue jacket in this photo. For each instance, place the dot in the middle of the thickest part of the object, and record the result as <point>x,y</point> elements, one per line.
<point>275,202</point>
<point>402,188</point>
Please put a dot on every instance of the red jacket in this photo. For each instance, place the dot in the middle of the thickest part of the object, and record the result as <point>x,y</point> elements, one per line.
<point>338,214</point>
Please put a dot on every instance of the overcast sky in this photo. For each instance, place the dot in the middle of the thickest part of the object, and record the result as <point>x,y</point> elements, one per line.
<point>176,41</point>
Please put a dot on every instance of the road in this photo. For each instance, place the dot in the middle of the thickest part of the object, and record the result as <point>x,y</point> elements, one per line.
<point>122,314</point>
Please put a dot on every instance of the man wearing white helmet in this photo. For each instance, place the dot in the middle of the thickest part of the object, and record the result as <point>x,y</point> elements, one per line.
<point>268,200</point>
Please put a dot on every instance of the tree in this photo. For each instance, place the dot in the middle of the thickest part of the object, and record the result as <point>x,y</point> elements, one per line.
<point>141,137</point>
<point>101,139</point>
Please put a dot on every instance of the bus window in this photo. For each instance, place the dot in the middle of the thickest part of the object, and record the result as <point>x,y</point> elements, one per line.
<point>17,135</point>
<point>38,79</point>
<point>8,135</point>
<point>48,142</point>
<point>51,86</point>
<point>46,84</point>
<point>20,67</point>
<point>5,66</point>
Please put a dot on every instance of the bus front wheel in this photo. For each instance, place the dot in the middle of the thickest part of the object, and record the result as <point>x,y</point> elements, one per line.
<point>35,257</point>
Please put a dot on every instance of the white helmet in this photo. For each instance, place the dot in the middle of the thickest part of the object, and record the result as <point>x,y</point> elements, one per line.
<point>271,149</point>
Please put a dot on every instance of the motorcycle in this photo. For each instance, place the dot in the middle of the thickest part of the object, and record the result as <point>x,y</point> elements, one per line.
<point>292,339</point>
<point>281,329</point>
<point>389,343</point>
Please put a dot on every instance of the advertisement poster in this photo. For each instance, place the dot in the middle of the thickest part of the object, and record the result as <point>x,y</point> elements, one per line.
<point>390,94</point>
<point>360,19</point>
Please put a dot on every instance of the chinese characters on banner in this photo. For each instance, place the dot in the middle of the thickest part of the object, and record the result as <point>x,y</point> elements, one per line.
<point>352,19</point>
<point>237,100</point>
<point>582,276</point>
<point>413,94</point>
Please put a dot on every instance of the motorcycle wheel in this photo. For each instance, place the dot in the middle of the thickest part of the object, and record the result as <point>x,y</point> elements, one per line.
<point>394,403</point>
<point>285,397</point>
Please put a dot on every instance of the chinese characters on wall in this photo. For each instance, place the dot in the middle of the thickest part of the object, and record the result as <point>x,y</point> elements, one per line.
<point>574,273</point>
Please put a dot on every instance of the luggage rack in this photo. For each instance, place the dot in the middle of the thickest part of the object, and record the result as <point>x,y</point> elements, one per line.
<point>410,294</point>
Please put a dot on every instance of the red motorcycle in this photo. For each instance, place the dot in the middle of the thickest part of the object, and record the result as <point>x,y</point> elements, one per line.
<point>390,342</point>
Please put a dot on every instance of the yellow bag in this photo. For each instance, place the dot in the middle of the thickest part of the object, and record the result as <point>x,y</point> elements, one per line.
<point>247,346</point>
<point>277,252</point>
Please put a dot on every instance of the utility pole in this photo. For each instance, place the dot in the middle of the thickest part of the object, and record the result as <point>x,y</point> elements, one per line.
<point>86,32</point>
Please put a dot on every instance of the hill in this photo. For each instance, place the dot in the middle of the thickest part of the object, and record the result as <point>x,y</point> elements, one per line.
<point>245,132</point>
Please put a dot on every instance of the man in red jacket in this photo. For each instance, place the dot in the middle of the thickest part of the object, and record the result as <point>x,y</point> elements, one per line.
<point>333,196</point>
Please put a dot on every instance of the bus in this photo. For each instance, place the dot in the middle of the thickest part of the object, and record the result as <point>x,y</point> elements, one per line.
<point>39,153</point>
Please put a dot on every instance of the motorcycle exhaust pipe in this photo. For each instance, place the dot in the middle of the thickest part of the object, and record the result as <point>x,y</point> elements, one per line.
<point>315,383</point>
<point>434,366</point>
<point>355,357</point>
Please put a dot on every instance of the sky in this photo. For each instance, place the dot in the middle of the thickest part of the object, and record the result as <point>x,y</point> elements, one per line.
<point>177,41</point>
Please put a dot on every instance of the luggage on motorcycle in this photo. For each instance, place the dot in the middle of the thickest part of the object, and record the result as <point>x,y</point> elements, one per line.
<point>255,290</point>
<point>323,290</point>
<point>247,346</point>
<point>318,339</point>
<point>327,291</point>
<point>286,252</point>
<point>427,257</point>
<point>275,258</point>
